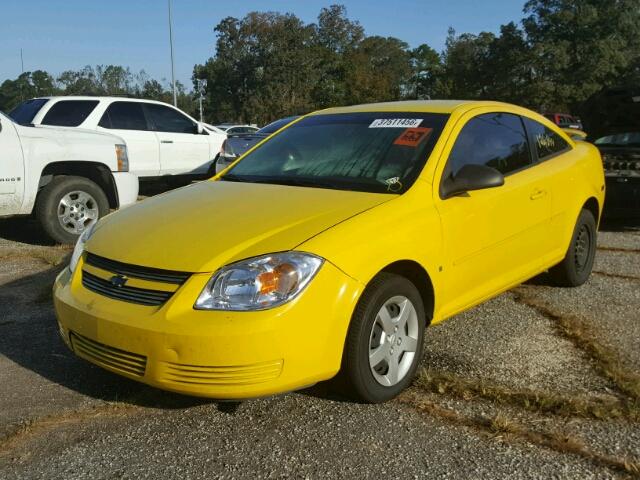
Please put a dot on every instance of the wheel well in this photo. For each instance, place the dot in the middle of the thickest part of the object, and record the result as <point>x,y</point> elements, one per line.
<point>416,274</point>
<point>593,206</point>
<point>96,172</point>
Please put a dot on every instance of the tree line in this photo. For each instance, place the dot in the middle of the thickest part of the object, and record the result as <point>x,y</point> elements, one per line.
<point>268,65</point>
<point>99,80</point>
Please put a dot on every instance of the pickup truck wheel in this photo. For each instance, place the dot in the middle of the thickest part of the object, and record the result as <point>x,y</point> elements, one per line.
<point>68,205</point>
<point>575,268</point>
<point>384,343</point>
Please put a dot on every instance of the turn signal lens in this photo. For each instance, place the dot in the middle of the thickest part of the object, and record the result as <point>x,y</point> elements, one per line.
<point>122,157</point>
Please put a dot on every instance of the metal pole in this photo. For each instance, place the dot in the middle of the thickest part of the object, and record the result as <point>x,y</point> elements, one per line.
<point>21,61</point>
<point>173,73</point>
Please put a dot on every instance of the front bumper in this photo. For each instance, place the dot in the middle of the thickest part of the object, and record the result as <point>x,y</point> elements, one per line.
<point>127,187</point>
<point>226,355</point>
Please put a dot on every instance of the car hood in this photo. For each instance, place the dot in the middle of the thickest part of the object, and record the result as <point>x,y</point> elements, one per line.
<point>201,227</point>
<point>612,111</point>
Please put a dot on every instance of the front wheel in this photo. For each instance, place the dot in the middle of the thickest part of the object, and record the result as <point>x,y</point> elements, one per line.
<point>575,268</point>
<point>68,205</point>
<point>384,342</point>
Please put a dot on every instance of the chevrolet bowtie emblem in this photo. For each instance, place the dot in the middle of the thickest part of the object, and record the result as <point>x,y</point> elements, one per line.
<point>118,281</point>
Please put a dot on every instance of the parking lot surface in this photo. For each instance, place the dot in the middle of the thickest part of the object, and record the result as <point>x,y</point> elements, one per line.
<point>541,382</point>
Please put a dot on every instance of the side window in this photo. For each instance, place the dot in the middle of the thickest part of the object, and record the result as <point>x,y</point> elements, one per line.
<point>124,116</point>
<point>546,141</point>
<point>166,119</point>
<point>497,140</point>
<point>69,113</point>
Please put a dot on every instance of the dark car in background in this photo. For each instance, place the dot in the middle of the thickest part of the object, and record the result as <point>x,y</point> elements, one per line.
<point>612,120</point>
<point>236,144</point>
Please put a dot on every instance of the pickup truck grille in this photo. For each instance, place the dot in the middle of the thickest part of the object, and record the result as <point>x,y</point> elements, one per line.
<point>111,279</point>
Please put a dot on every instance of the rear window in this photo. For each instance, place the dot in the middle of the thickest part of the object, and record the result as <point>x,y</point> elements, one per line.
<point>69,113</point>
<point>124,116</point>
<point>25,112</point>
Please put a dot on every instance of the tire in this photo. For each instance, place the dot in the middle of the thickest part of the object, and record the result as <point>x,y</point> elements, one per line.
<point>84,203</point>
<point>575,268</point>
<point>373,382</point>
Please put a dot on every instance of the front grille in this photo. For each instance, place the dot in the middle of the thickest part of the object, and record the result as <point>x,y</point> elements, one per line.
<point>222,375</point>
<point>108,357</point>
<point>144,273</point>
<point>127,294</point>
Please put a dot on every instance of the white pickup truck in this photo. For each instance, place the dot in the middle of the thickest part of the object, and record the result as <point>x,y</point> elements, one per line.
<point>67,178</point>
<point>163,141</point>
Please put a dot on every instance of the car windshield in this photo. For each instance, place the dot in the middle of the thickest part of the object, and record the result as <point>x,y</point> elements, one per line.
<point>27,110</point>
<point>631,139</point>
<point>370,152</point>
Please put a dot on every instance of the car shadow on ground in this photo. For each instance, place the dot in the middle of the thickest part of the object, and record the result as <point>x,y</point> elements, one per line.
<point>23,230</point>
<point>608,224</point>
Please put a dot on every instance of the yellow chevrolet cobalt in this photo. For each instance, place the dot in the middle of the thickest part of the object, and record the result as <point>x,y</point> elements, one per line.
<point>330,247</point>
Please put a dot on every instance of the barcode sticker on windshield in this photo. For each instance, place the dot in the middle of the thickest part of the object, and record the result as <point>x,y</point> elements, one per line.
<point>396,123</point>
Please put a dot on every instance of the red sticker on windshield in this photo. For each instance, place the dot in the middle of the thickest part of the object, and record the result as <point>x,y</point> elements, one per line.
<point>411,137</point>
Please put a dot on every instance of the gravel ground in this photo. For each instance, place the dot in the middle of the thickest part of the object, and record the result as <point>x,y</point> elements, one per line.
<point>61,417</point>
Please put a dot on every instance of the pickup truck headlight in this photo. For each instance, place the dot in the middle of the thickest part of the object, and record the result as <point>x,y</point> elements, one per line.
<point>122,157</point>
<point>259,283</point>
<point>79,248</point>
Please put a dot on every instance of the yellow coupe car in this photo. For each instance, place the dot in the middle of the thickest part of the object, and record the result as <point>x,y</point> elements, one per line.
<point>329,247</point>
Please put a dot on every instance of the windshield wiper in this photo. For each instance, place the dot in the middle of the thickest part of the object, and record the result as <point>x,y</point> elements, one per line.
<point>229,177</point>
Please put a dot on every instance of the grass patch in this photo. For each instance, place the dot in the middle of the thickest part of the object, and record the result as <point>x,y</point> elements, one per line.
<point>503,426</point>
<point>619,249</point>
<point>581,334</point>
<point>531,400</point>
<point>53,256</point>
<point>32,427</point>
<point>616,275</point>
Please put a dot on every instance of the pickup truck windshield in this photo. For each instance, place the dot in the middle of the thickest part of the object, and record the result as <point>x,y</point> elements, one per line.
<point>370,152</point>
<point>25,112</point>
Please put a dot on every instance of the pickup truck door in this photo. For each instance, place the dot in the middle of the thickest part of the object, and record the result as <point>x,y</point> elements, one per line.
<point>128,120</point>
<point>182,149</point>
<point>11,168</point>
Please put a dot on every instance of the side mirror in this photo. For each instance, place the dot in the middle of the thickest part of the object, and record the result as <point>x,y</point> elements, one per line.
<point>471,177</point>
<point>200,130</point>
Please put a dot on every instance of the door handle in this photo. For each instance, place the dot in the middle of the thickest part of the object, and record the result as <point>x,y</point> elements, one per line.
<point>166,141</point>
<point>538,193</point>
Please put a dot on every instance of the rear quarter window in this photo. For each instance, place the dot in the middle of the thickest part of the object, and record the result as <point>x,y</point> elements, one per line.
<point>69,113</point>
<point>546,142</point>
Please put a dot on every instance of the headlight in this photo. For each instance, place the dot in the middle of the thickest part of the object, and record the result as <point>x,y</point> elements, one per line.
<point>122,158</point>
<point>259,283</point>
<point>79,248</point>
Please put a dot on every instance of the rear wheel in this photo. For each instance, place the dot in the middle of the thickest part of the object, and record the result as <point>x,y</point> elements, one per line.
<point>384,343</point>
<point>575,268</point>
<point>68,205</point>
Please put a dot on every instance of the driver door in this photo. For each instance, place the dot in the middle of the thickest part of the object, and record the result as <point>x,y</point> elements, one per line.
<point>495,236</point>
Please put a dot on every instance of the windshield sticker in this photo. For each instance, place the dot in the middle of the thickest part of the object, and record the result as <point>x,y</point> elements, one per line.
<point>396,123</point>
<point>393,184</point>
<point>412,137</point>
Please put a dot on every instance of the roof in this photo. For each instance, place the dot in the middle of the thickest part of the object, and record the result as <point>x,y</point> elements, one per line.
<point>431,106</point>
<point>102,97</point>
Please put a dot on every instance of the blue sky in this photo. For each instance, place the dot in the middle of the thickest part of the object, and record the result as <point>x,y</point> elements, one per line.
<point>58,35</point>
